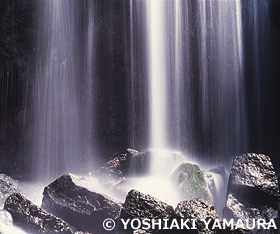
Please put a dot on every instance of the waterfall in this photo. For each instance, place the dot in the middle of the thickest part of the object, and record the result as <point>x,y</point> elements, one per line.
<point>185,78</point>
<point>157,73</point>
<point>60,126</point>
<point>195,64</point>
<point>194,55</point>
<point>150,84</point>
<point>87,103</point>
<point>220,74</point>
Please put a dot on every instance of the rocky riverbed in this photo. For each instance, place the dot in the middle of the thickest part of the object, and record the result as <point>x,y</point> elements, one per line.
<point>82,204</point>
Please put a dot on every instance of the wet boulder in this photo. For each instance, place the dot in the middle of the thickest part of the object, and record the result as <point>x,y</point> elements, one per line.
<point>126,163</point>
<point>190,181</point>
<point>201,210</point>
<point>198,210</point>
<point>253,190</point>
<point>7,187</point>
<point>236,209</point>
<point>81,208</point>
<point>135,163</point>
<point>118,166</point>
<point>32,218</point>
<point>253,180</point>
<point>140,206</point>
<point>140,163</point>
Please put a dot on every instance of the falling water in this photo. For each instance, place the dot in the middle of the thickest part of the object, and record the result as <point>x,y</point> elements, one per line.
<point>184,88</point>
<point>178,61</point>
<point>186,60</point>
<point>220,73</point>
<point>195,88</point>
<point>157,73</point>
<point>195,56</point>
<point>87,101</point>
<point>57,94</point>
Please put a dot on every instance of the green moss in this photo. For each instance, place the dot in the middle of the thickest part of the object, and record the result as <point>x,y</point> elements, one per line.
<point>191,181</point>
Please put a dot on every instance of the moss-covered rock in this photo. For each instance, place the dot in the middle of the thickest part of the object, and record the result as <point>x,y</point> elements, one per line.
<point>191,181</point>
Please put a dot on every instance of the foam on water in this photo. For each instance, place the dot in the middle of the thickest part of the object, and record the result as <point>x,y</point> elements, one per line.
<point>6,224</point>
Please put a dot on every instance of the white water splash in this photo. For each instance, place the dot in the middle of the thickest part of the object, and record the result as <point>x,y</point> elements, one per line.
<point>6,224</point>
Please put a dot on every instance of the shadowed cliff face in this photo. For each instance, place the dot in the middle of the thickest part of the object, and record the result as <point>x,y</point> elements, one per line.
<point>114,70</point>
<point>16,46</point>
<point>262,59</point>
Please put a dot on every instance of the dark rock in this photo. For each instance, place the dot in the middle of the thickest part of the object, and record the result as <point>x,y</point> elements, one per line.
<point>191,182</point>
<point>142,205</point>
<point>32,218</point>
<point>139,205</point>
<point>253,190</point>
<point>118,166</point>
<point>135,163</point>
<point>116,161</point>
<point>236,209</point>
<point>7,187</point>
<point>198,209</point>
<point>129,162</point>
<point>253,180</point>
<point>83,209</point>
